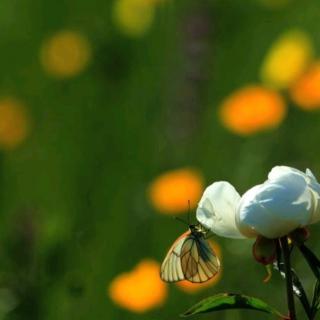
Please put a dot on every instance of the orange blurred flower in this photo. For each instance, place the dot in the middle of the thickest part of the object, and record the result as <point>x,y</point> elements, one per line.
<point>65,54</point>
<point>141,289</point>
<point>169,193</point>
<point>190,287</point>
<point>306,91</point>
<point>287,59</point>
<point>252,109</point>
<point>14,123</point>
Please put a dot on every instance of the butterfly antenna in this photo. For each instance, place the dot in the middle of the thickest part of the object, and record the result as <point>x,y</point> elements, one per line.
<point>181,220</point>
<point>189,213</point>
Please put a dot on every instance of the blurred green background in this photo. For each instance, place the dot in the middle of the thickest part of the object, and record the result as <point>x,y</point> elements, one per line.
<point>74,211</point>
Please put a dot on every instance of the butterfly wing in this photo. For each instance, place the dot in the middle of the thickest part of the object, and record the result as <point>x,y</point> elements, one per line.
<point>171,270</point>
<point>189,258</point>
<point>198,261</point>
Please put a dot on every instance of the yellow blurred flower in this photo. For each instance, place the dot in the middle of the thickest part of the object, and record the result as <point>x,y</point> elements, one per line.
<point>306,91</point>
<point>134,17</point>
<point>65,54</point>
<point>190,287</point>
<point>14,123</point>
<point>169,193</point>
<point>141,289</point>
<point>252,109</point>
<point>287,59</point>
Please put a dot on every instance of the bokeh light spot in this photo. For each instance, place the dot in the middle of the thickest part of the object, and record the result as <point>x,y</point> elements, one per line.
<point>306,91</point>
<point>169,193</point>
<point>134,17</point>
<point>287,59</point>
<point>252,109</point>
<point>141,289</point>
<point>65,54</point>
<point>190,287</point>
<point>14,123</point>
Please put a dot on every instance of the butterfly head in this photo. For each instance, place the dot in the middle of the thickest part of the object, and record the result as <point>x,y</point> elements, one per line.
<point>198,229</point>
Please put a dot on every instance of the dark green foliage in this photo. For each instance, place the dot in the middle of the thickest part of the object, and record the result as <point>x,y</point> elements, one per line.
<point>73,207</point>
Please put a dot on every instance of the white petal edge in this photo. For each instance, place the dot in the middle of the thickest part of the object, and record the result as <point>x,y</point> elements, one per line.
<point>310,174</point>
<point>278,171</point>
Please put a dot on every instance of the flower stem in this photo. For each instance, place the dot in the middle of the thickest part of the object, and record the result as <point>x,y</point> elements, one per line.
<point>287,270</point>
<point>312,260</point>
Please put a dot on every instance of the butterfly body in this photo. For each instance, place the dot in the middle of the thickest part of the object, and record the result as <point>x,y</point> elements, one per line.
<point>190,258</point>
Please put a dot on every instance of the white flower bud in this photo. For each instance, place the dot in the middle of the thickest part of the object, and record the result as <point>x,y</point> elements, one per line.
<point>289,199</point>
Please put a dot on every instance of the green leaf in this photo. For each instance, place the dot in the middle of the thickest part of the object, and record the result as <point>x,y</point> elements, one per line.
<point>224,301</point>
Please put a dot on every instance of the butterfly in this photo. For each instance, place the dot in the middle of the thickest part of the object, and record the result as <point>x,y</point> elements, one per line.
<point>190,258</point>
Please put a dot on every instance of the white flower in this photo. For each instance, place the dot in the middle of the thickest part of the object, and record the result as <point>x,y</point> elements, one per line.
<point>217,209</point>
<point>287,200</point>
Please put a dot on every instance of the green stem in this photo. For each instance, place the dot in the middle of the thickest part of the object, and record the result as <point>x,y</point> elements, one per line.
<point>312,260</point>
<point>287,270</point>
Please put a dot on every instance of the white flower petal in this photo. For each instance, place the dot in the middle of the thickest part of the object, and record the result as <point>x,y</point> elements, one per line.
<point>217,208</point>
<point>279,171</point>
<point>286,201</point>
<point>246,221</point>
<point>314,188</point>
<point>310,174</point>
<point>272,210</point>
